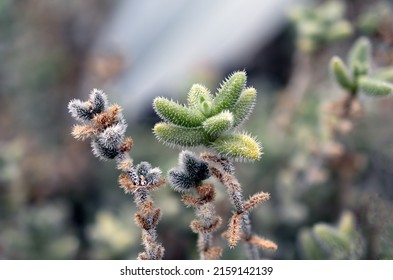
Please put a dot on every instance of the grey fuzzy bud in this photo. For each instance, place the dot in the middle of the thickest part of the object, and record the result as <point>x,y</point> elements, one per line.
<point>98,100</point>
<point>107,144</point>
<point>103,152</point>
<point>143,168</point>
<point>79,110</point>
<point>194,166</point>
<point>190,173</point>
<point>113,135</point>
<point>143,174</point>
<point>153,176</point>
<point>180,180</point>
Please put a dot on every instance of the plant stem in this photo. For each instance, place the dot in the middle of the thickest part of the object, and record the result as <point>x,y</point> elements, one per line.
<point>207,221</point>
<point>235,194</point>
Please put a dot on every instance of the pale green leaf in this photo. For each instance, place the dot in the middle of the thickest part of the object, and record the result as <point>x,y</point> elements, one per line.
<point>180,136</point>
<point>177,114</point>
<point>229,92</point>
<point>374,87</point>
<point>216,125</point>
<point>244,106</point>
<point>238,146</point>
<point>341,73</point>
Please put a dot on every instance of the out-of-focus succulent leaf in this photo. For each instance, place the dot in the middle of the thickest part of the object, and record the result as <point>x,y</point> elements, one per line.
<point>359,56</point>
<point>374,87</point>
<point>309,249</point>
<point>341,73</point>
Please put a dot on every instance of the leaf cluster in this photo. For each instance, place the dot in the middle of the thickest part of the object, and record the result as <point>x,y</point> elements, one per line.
<point>355,76</point>
<point>209,120</point>
<point>317,26</point>
<point>325,241</point>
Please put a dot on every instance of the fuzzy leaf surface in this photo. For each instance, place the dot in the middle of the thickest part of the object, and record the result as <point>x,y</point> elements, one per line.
<point>198,96</point>
<point>238,146</point>
<point>341,73</point>
<point>216,125</point>
<point>177,114</point>
<point>332,241</point>
<point>374,87</point>
<point>359,56</point>
<point>244,106</point>
<point>229,92</point>
<point>180,136</point>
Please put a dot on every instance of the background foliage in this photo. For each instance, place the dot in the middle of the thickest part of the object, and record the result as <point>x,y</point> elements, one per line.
<point>57,201</point>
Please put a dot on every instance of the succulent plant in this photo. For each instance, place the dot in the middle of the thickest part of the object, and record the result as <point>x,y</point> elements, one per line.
<point>325,241</point>
<point>356,77</point>
<point>316,26</point>
<point>210,120</point>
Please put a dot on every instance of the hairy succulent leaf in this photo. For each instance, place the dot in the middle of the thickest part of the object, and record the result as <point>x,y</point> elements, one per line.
<point>229,92</point>
<point>177,114</point>
<point>309,249</point>
<point>374,87</point>
<point>216,125</point>
<point>180,136</point>
<point>341,73</point>
<point>238,147</point>
<point>331,11</point>
<point>332,241</point>
<point>347,225</point>
<point>199,98</point>
<point>359,56</point>
<point>339,30</point>
<point>384,74</point>
<point>244,106</point>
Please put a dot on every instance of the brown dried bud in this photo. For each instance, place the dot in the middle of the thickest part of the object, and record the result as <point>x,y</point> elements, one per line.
<point>107,118</point>
<point>126,184</point>
<point>234,230</point>
<point>81,132</point>
<point>263,243</point>
<point>213,253</point>
<point>126,146</point>
<point>254,200</point>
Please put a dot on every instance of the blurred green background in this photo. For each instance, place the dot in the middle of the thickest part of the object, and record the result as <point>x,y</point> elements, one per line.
<point>59,202</point>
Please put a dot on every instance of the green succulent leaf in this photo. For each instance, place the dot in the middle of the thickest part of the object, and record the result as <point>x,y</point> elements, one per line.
<point>311,29</point>
<point>332,241</point>
<point>180,136</point>
<point>384,74</point>
<point>331,11</point>
<point>244,106</point>
<point>341,73</point>
<point>339,30</point>
<point>359,57</point>
<point>238,146</point>
<point>309,249</point>
<point>177,114</point>
<point>216,125</point>
<point>346,224</point>
<point>199,98</point>
<point>374,87</point>
<point>229,92</point>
